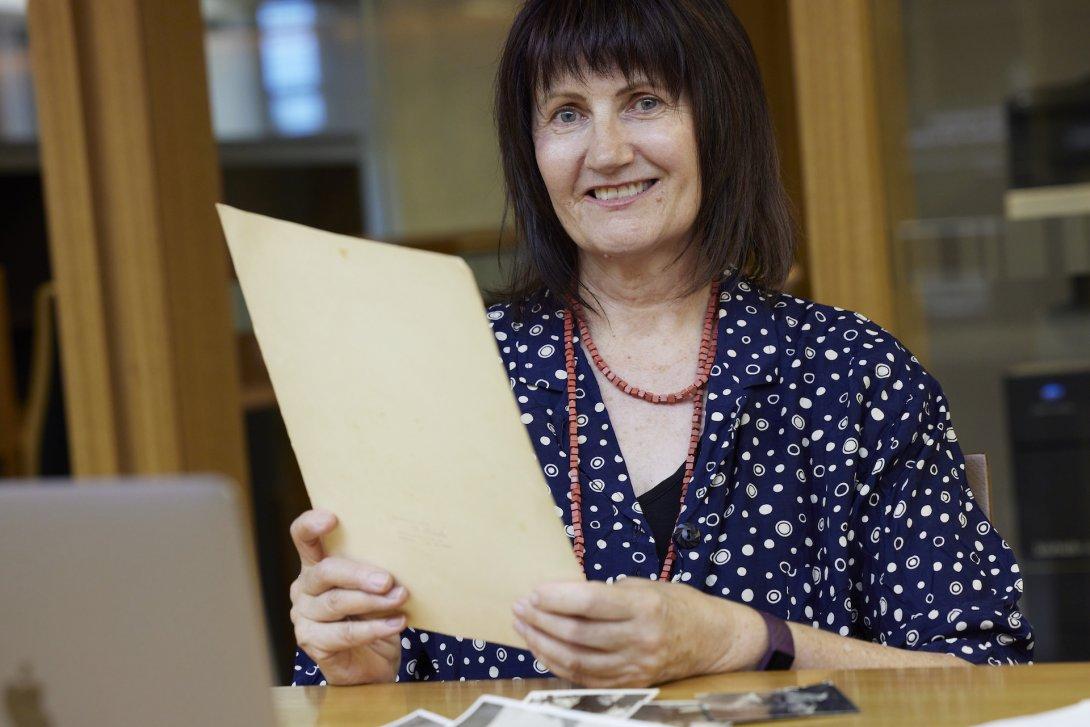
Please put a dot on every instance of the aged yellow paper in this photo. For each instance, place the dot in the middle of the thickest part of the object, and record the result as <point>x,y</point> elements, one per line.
<point>402,419</point>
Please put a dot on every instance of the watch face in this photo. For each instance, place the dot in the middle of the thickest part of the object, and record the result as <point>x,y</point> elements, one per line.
<point>781,646</point>
<point>781,660</point>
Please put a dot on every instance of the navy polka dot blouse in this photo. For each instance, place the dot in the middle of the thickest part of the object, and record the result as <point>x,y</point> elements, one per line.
<point>829,489</point>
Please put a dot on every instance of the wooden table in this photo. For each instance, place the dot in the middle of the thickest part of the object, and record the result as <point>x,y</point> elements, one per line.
<point>930,697</point>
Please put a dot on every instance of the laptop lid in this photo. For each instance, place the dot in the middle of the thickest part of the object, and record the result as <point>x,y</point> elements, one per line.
<point>129,602</point>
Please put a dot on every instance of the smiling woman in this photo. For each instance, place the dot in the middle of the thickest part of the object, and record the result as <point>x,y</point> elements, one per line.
<point>675,84</point>
<point>620,164</point>
<point>795,497</point>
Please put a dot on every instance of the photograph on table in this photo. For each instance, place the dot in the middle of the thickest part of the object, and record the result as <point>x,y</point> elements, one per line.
<point>678,713</point>
<point>614,702</point>
<point>817,699</point>
<point>492,711</point>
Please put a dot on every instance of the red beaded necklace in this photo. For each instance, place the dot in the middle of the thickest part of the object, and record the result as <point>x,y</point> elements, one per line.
<point>695,391</point>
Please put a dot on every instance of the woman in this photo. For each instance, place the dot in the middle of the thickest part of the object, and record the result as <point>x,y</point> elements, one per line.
<point>802,501</point>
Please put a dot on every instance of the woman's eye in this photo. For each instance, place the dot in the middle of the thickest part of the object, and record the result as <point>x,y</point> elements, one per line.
<point>647,103</point>
<point>566,116</point>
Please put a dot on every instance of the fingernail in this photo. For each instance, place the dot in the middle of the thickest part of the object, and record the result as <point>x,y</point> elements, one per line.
<point>519,607</point>
<point>534,598</point>
<point>397,593</point>
<point>378,580</point>
<point>394,621</point>
<point>519,626</point>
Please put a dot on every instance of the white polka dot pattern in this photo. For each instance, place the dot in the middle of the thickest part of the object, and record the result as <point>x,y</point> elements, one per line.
<point>829,489</point>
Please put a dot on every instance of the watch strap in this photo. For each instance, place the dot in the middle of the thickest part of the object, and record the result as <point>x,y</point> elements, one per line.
<point>780,654</point>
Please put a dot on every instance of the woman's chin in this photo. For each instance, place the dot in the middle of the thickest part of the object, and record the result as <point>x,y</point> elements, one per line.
<point>627,249</point>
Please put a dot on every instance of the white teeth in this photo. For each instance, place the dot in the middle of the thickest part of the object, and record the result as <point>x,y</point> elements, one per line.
<point>628,190</point>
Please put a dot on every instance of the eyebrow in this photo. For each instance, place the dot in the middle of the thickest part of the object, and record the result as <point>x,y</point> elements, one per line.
<point>626,90</point>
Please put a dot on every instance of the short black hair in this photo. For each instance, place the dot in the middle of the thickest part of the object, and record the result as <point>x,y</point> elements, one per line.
<point>695,48</point>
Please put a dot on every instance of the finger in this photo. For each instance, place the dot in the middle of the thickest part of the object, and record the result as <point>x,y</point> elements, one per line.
<point>590,599</point>
<point>345,573</point>
<point>602,635</point>
<point>333,638</point>
<point>579,664</point>
<point>307,531</point>
<point>337,604</point>
<point>387,647</point>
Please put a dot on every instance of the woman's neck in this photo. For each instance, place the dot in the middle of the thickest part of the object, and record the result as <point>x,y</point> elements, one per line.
<point>641,296</point>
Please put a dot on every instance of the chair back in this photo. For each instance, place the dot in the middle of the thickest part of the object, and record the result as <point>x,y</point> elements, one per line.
<point>976,470</point>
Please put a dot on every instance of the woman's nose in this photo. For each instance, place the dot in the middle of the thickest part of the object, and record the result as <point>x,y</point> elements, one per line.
<point>610,147</point>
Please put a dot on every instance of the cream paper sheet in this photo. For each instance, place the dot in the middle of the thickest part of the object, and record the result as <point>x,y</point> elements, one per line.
<point>402,419</point>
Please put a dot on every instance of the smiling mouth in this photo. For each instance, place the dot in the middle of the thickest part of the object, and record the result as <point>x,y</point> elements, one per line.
<point>623,191</point>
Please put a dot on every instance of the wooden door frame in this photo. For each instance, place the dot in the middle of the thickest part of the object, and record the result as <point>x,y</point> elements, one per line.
<point>834,76</point>
<point>130,174</point>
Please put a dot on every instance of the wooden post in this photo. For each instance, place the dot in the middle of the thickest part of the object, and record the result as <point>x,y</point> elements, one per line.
<point>131,174</point>
<point>847,237</point>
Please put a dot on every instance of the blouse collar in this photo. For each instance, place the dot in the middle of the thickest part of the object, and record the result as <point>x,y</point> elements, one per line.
<point>747,352</point>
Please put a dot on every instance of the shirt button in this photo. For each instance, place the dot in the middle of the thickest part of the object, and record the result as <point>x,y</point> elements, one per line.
<point>687,535</point>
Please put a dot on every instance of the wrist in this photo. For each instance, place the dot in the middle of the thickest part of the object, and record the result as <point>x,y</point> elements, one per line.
<point>780,652</point>
<point>738,640</point>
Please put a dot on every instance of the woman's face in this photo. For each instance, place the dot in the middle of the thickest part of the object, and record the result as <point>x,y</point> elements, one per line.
<point>620,163</point>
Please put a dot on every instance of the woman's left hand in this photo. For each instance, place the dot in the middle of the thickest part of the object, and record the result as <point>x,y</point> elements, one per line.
<point>635,632</point>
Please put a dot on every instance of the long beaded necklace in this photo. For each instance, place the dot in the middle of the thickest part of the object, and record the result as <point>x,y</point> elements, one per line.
<point>694,391</point>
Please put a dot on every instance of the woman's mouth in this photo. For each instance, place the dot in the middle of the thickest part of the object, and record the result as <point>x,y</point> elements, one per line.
<point>620,195</point>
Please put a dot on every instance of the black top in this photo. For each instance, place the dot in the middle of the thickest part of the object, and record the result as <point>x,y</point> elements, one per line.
<point>661,505</point>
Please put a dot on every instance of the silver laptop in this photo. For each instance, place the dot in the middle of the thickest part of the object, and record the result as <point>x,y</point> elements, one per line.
<point>129,602</point>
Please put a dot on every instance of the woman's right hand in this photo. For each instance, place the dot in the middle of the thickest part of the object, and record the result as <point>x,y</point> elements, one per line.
<point>347,613</point>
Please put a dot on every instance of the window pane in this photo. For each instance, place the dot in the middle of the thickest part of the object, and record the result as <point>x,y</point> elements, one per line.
<point>997,256</point>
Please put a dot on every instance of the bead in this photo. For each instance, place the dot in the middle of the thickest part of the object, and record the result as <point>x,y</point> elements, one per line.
<point>705,360</point>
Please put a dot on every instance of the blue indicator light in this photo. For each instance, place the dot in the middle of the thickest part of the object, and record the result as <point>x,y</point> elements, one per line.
<point>1052,391</point>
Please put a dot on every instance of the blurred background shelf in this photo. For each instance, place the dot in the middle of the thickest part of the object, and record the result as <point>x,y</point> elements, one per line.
<point>1062,200</point>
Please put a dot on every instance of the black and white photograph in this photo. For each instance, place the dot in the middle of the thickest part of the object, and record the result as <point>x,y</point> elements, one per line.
<point>491,711</point>
<point>614,702</point>
<point>816,699</point>
<point>678,713</point>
